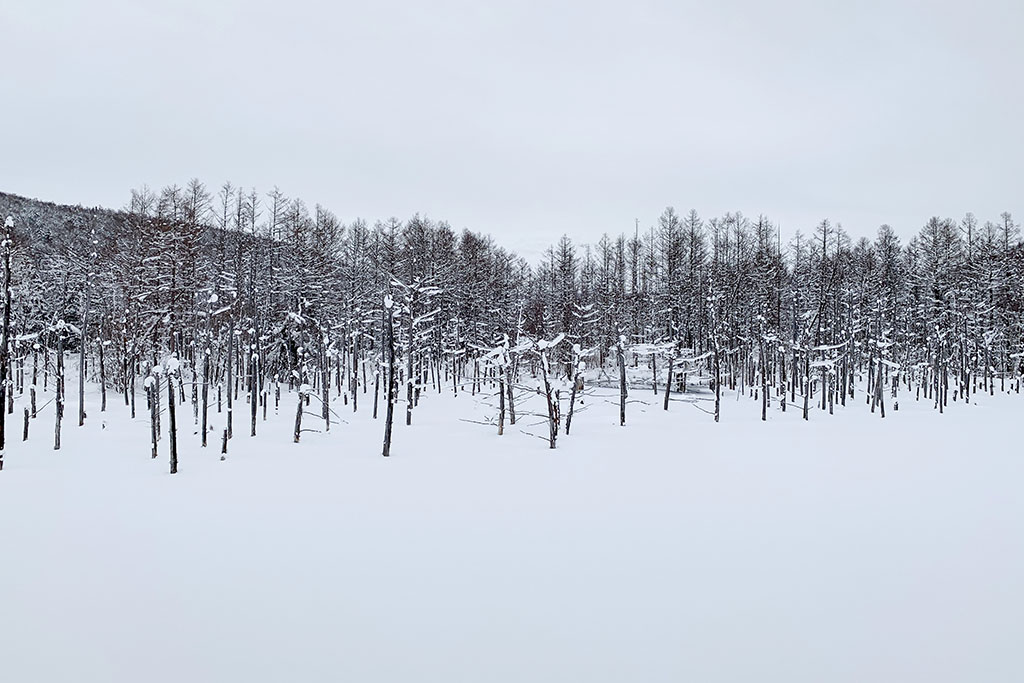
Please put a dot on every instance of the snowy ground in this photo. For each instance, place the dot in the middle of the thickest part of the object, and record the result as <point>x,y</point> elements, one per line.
<point>845,549</point>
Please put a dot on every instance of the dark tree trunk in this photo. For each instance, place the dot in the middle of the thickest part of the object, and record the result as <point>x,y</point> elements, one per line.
<point>355,371</point>
<point>172,427</point>
<point>671,370</point>
<point>154,410</point>
<point>764,381</point>
<point>103,381</point>
<point>205,407</point>
<point>254,384</point>
<point>511,398</point>
<point>576,382</point>
<point>389,416</point>
<point>718,381</point>
<point>298,418</point>
<point>59,388</point>
<point>622,380</point>
<point>552,410</point>
<point>501,405</point>
<point>81,361</point>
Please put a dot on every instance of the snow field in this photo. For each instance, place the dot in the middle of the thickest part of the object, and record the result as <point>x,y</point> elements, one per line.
<point>848,548</point>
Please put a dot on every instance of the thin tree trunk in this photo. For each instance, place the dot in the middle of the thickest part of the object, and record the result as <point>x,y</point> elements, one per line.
<point>389,416</point>
<point>298,417</point>
<point>103,381</point>
<point>59,388</point>
<point>254,384</point>
<point>718,381</point>
<point>668,384</point>
<point>622,380</point>
<point>552,412</point>
<point>511,396</point>
<point>172,427</point>
<point>154,410</point>
<point>501,405</point>
<point>231,363</point>
<point>205,408</point>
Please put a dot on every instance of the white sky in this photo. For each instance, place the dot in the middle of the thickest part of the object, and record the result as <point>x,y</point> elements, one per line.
<point>526,119</point>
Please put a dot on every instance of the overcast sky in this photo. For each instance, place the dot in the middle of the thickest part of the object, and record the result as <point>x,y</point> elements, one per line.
<point>526,119</point>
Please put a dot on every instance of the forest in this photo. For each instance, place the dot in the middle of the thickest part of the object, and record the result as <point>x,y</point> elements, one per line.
<point>193,299</point>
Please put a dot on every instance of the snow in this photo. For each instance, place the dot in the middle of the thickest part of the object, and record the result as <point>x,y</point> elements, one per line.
<point>847,548</point>
<point>544,344</point>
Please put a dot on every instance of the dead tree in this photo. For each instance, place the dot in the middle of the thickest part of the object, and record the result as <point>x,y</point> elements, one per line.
<point>298,413</point>
<point>762,363</point>
<point>552,405</point>
<point>673,350</point>
<point>85,330</point>
<point>154,409</point>
<point>254,383</point>
<point>59,385</point>
<point>325,381</point>
<point>620,350</point>
<point>578,366</point>
<point>103,379</point>
<point>231,363</point>
<point>172,427</point>
<point>509,389</point>
<point>501,360</point>
<point>205,400</point>
<point>389,341</point>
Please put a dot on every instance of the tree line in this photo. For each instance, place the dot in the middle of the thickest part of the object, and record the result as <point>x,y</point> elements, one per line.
<point>234,294</point>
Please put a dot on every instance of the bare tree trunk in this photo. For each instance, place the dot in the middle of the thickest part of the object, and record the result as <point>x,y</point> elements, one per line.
<point>511,398</point>
<point>671,369</point>
<point>81,360</point>
<point>325,389</point>
<point>718,381</point>
<point>103,381</point>
<point>552,411</point>
<point>376,389</point>
<point>154,410</point>
<point>298,417</point>
<point>807,384</point>
<point>654,372</point>
<point>577,382</point>
<point>409,377</point>
<point>620,350</point>
<point>59,388</point>
<point>501,404</point>
<point>206,394</point>
<point>231,363</point>
<point>880,384</point>
<point>355,371</point>
<point>389,416</point>
<point>125,360</point>
<point>764,381</point>
<point>132,389</point>
<point>195,389</point>
<point>254,383</point>
<point>172,427</point>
